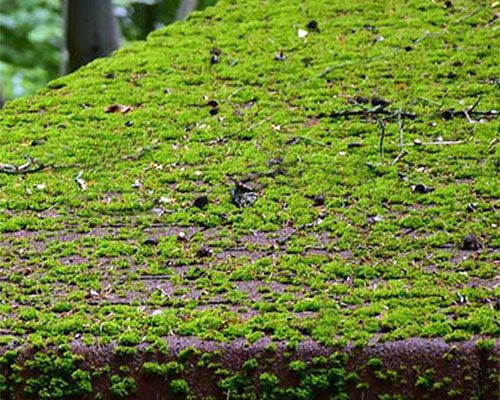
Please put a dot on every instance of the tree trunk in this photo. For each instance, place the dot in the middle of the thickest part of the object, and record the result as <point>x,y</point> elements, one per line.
<point>91,31</point>
<point>185,8</point>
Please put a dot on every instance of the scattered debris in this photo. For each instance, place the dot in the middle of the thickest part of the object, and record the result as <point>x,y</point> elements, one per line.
<point>378,109</point>
<point>80,181</point>
<point>376,218</point>
<point>421,188</point>
<point>114,108</point>
<point>201,202</point>
<point>470,242</point>
<point>377,101</point>
<point>216,53</point>
<point>243,195</point>
<point>302,33</point>
<point>167,200</point>
<point>38,142</point>
<point>150,242</point>
<point>30,166</point>
<point>274,161</point>
<point>319,200</point>
<point>461,298</point>
<point>203,252</point>
<point>214,59</point>
<point>280,56</point>
<point>313,26</point>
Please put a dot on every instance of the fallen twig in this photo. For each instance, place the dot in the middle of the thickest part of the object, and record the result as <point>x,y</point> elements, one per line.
<point>466,16</point>
<point>399,156</point>
<point>311,140</point>
<point>24,168</point>
<point>249,128</point>
<point>142,152</point>
<point>432,143</point>
<point>381,123</point>
<point>401,125</point>
<point>372,111</point>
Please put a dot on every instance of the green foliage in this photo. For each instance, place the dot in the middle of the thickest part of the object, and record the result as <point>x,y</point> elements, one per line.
<point>31,37</point>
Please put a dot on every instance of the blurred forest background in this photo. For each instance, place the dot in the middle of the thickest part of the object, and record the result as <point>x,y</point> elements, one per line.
<point>32,44</point>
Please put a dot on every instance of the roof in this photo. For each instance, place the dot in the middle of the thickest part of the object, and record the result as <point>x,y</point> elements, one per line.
<point>304,176</point>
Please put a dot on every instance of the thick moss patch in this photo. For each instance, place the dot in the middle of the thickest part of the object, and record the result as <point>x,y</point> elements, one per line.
<point>233,179</point>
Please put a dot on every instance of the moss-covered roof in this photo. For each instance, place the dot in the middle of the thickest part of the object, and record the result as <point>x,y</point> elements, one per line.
<point>291,171</point>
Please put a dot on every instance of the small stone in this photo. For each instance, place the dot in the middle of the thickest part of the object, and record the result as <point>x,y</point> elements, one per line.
<point>201,202</point>
<point>181,236</point>
<point>319,200</point>
<point>470,242</point>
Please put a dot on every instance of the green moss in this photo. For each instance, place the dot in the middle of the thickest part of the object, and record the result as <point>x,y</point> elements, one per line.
<point>179,387</point>
<point>379,258</point>
<point>122,387</point>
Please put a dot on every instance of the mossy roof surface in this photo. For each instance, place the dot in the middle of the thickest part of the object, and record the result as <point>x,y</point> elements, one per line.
<point>118,152</point>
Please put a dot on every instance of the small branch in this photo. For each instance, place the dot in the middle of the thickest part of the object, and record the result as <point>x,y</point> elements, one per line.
<point>311,140</point>
<point>371,111</point>
<point>425,36</point>
<point>250,127</point>
<point>401,125</point>
<point>22,169</point>
<point>431,143</point>
<point>466,16</point>
<point>381,123</point>
<point>399,156</point>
